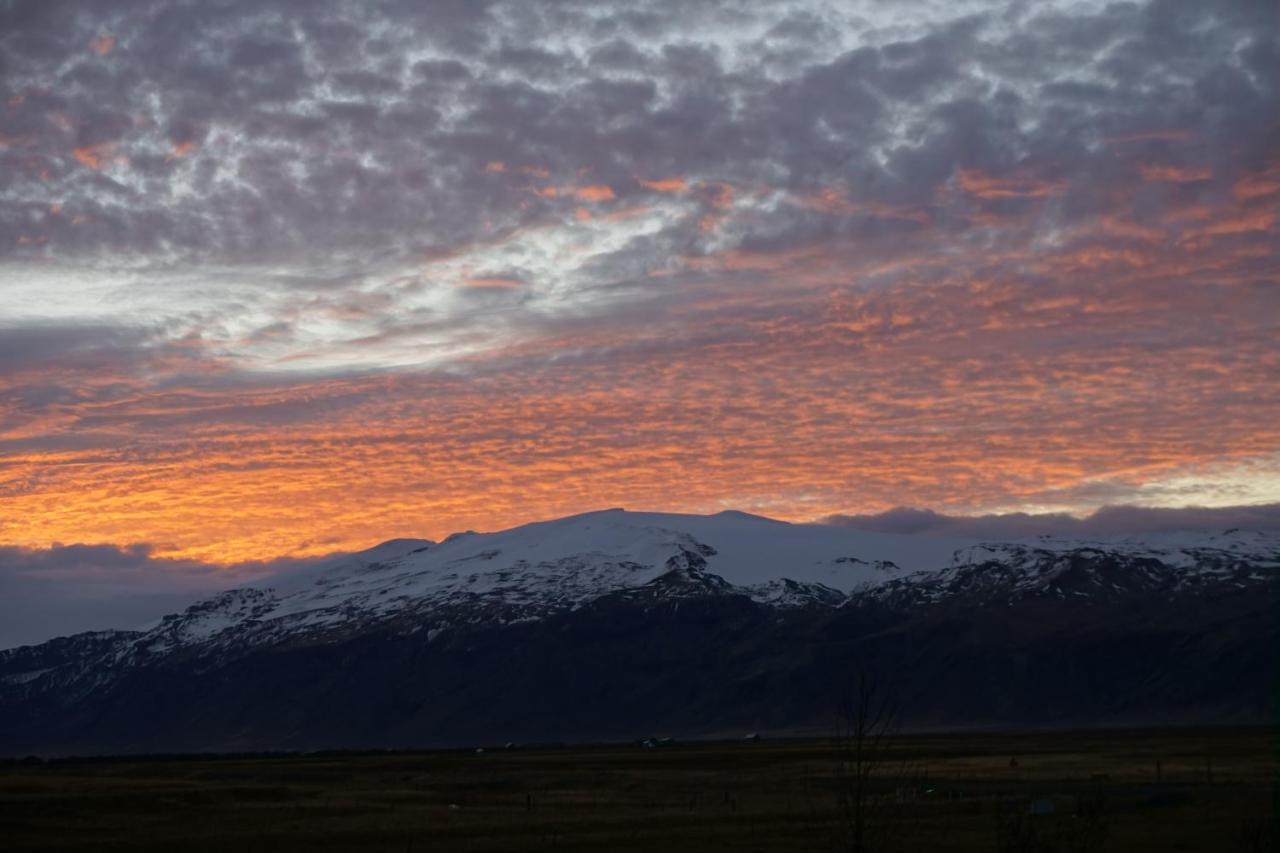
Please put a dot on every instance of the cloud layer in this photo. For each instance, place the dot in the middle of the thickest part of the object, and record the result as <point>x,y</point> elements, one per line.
<point>1105,521</point>
<point>285,278</point>
<point>65,589</point>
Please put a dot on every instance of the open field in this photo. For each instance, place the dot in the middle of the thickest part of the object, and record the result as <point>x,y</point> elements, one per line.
<point>1154,790</point>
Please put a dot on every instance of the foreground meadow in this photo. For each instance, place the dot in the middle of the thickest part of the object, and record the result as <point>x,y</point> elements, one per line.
<point>1162,790</point>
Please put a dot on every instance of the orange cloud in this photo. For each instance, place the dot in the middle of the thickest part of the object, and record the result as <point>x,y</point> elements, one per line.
<point>665,185</point>
<point>180,150</point>
<point>828,200</point>
<point>840,374</point>
<point>717,193</point>
<point>93,156</point>
<point>1258,186</point>
<point>1175,174</point>
<point>1128,229</point>
<point>102,45</point>
<point>496,167</point>
<point>596,192</point>
<point>591,193</point>
<point>982,185</point>
<point>625,213</point>
<point>1260,220</point>
<point>494,283</point>
<point>901,395</point>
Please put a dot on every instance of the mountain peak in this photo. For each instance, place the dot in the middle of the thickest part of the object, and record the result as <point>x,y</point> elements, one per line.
<point>747,516</point>
<point>748,595</point>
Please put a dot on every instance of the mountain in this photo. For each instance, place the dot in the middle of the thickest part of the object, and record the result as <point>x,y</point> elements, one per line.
<point>616,624</point>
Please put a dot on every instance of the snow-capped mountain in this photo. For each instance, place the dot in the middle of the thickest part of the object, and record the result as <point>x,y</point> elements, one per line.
<point>1163,564</point>
<point>807,591</point>
<point>538,569</point>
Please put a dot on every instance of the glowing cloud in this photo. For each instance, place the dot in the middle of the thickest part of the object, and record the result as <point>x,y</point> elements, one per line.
<point>373,271</point>
<point>665,185</point>
<point>102,45</point>
<point>93,156</point>
<point>1175,174</point>
<point>987,186</point>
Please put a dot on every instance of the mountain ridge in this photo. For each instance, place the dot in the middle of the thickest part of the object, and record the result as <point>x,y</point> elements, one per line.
<point>800,606</point>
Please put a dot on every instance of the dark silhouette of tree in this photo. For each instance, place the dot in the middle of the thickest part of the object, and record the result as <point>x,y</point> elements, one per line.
<point>874,790</point>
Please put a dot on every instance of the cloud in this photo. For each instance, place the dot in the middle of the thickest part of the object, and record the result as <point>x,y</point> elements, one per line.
<point>325,124</point>
<point>66,589</point>
<point>1107,520</point>
<point>284,277</point>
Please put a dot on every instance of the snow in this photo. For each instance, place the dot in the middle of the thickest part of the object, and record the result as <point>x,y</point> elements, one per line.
<point>750,549</point>
<point>530,571</point>
<point>24,677</point>
<point>594,552</point>
<point>1192,551</point>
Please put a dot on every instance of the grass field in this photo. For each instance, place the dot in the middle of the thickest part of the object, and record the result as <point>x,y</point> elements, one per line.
<point>1163,790</point>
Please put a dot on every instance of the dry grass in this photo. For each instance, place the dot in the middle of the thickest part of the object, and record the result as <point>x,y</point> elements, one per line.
<point>1215,792</point>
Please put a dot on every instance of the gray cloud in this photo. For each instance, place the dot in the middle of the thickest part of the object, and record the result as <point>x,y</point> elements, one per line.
<point>22,346</point>
<point>923,227</point>
<point>1108,520</point>
<point>312,127</point>
<point>65,589</point>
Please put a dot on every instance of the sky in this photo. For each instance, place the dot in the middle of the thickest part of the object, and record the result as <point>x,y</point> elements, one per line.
<point>281,279</point>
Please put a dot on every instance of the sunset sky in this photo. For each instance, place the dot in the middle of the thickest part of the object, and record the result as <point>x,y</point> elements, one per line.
<point>279,279</point>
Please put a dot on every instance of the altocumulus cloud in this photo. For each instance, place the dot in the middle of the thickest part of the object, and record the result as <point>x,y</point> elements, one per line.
<point>288,277</point>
